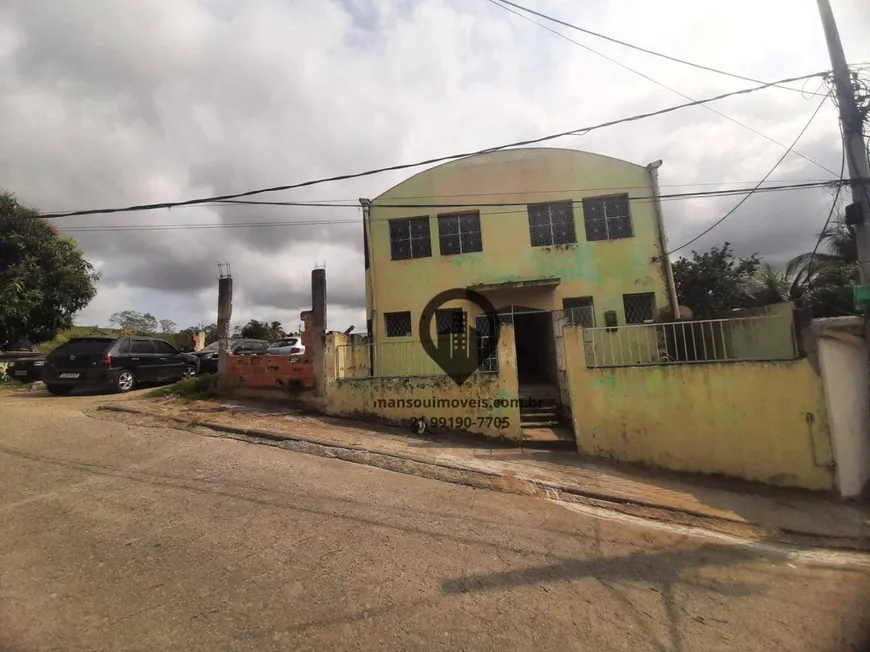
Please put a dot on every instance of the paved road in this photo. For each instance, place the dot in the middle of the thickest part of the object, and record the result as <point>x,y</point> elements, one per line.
<point>118,537</point>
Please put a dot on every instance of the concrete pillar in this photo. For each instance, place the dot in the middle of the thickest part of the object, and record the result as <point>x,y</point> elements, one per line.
<point>843,355</point>
<point>318,325</point>
<point>225,313</point>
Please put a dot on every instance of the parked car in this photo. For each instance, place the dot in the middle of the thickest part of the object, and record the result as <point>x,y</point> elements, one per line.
<point>114,362</point>
<point>291,346</point>
<point>26,370</point>
<point>208,357</point>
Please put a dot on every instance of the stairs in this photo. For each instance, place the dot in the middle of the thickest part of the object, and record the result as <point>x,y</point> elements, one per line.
<point>545,416</point>
<point>541,418</point>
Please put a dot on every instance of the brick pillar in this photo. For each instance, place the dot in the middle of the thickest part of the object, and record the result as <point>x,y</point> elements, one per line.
<point>318,326</point>
<point>225,313</point>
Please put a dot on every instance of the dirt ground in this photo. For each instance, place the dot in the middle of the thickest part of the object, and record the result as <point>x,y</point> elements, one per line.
<point>120,537</point>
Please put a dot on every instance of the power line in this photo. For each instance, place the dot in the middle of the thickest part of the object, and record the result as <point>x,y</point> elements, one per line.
<point>497,3</point>
<point>349,202</point>
<point>645,50</point>
<point>440,159</point>
<point>521,208</point>
<point>699,193</point>
<point>751,192</point>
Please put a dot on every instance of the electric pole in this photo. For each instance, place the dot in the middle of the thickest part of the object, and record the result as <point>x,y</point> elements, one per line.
<point>858,214</point>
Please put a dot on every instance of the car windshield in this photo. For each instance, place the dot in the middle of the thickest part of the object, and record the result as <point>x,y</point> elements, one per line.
<point>212,347</point>
<point>283,343</point>
<point>84,347</point>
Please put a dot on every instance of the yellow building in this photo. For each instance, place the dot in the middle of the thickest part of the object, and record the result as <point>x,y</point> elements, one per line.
<point>534,230</point>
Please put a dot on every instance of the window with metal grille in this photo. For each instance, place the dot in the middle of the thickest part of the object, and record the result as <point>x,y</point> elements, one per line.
<point>409,238</point>
<point>487,342</point>
<point>551,224</point>
<point>450,321</point>
<point>639,308</point>
<point>460,233</point>
<point>607,218</point>
<point>579,311</point>
<point>397,324</point>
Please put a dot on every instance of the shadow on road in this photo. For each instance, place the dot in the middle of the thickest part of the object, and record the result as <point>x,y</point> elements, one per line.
<point>664,570</point>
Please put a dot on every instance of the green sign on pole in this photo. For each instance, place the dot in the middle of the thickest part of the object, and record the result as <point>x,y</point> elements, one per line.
<point>861,295</point>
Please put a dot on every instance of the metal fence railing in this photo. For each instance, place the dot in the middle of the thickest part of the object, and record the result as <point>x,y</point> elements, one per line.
<point>711,340</point>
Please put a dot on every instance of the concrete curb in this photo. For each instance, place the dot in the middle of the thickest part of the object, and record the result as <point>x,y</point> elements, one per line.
<point>523,485</point>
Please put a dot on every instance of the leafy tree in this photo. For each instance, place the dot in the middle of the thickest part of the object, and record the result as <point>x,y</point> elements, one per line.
<point>771,285</point>
<point>211,334</point>
<point>44,278</point>
<point>260,330</point>
<point>134,322</point>
<point>828,276</point>
<point>715,281</point>
<point>168,326</point>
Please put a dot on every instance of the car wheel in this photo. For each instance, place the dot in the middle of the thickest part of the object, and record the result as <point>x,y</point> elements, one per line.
<point>189,372</point>
<point>59,390</point>
<point>126,381</point>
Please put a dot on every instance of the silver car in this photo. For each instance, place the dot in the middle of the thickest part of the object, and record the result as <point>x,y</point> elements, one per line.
<point>291,346</point>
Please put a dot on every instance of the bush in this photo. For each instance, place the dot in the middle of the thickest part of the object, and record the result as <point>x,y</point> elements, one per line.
<point>193,389</point>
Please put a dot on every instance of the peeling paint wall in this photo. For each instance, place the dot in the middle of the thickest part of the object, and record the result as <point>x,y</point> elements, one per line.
<point>475,406</point>
<point>760,421</point>
<point>604,270</point>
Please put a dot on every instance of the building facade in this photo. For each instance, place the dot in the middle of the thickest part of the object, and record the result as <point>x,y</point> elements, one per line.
<point>534,231</point>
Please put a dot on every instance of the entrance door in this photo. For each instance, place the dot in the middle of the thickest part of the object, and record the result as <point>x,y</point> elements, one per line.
<point>534,346</point>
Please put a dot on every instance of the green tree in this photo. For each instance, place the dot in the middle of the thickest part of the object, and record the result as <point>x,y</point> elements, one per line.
<point>132,321</point>
<point>715,281</point>
<point>261,330</point>
<point>211,333</point>
<point>828,276</point>
<point>44,278</point>
<point>771,285</point>
<point>168,326</point>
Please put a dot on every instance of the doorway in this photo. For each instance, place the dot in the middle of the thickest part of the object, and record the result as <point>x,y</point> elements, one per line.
<point>535,347</point>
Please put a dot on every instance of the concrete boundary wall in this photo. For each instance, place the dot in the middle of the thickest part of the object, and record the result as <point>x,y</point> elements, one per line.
<point>475,406</point>
<point>760,421</point>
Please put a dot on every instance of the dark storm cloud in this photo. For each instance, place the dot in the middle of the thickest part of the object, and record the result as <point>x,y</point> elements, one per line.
<point>116,102</point>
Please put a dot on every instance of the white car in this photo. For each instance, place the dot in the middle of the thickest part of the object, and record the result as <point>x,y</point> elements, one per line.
<point>291,346</point>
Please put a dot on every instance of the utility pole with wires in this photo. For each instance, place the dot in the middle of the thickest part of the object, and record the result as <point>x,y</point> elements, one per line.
<point>851,120</point>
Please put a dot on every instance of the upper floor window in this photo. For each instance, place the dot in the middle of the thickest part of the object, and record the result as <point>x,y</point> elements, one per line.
<point>552,224</point>
<point>639,308</point>
<point>460,233</point>
<point>607,218</point>
<point>409,238</point>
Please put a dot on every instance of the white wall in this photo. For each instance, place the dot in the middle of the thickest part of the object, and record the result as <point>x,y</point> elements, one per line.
<point>843,357</point>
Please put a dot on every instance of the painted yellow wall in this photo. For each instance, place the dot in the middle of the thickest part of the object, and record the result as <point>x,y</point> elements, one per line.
<point>761,421</point>
<point>472,406</point>
<point>604,270</point>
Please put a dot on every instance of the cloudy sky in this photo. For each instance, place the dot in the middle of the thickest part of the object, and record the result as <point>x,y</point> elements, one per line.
<point>115,102</point>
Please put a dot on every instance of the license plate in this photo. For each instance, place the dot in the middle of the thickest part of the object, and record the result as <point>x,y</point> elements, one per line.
<point>68,376</point>
<point>21,373</point>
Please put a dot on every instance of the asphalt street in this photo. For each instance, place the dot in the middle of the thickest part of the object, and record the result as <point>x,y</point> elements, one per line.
<point>120,537</point>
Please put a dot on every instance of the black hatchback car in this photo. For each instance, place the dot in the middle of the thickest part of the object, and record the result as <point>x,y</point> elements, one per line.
<point>119,363</point>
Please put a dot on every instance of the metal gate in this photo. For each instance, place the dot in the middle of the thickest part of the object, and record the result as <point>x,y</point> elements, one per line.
<point>559,320</point>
